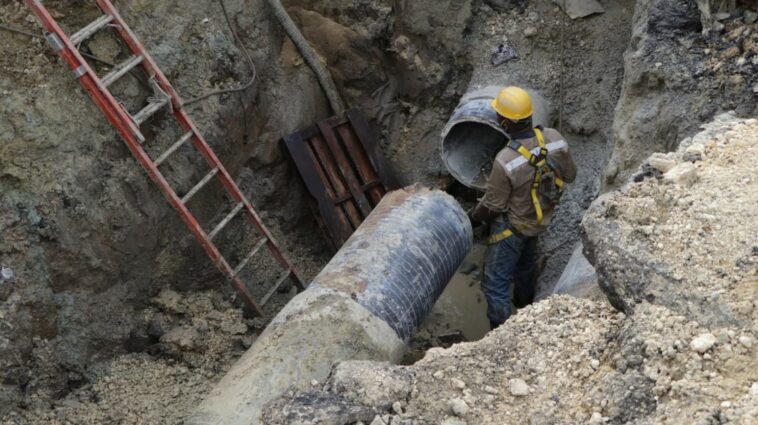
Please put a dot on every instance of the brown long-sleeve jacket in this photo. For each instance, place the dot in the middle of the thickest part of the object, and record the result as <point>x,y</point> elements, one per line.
<point>509,186</point>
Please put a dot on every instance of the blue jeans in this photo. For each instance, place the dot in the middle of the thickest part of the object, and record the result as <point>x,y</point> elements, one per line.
<point>510,260</point>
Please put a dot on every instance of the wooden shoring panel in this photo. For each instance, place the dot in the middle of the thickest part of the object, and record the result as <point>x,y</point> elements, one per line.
<point>343,169</point>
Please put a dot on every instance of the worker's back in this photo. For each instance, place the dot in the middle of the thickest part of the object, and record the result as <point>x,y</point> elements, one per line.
<point>510,184</point>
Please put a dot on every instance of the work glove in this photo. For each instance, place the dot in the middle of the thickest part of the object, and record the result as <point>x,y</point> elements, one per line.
<point>474,222</point>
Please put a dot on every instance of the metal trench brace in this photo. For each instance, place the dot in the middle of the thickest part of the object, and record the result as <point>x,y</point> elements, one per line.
<point>343,169</point>
<point>128,125</point>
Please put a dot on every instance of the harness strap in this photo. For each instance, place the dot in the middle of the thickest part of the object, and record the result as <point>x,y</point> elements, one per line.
<point>538,162</point>
<point>497,237</point>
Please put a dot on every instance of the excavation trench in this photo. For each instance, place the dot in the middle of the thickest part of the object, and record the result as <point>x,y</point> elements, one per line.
<point>123,304</point>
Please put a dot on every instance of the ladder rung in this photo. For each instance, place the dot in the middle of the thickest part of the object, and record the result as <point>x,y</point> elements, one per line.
<point>226,220</point>
<point>164,156</point>
<point>121,69</point>
<point>199,185</point>
<point>90,29</point>
<point>252,253</point>
<point>278,283</point>
<point>150,110</point>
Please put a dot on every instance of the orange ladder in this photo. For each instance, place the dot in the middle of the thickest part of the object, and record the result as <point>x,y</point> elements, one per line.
<point>128,126</point>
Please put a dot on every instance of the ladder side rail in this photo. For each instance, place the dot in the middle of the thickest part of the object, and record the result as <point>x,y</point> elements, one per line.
<point>102,96</point>
<point>136,47</point>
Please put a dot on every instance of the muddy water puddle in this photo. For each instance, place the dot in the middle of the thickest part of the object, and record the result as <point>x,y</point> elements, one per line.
<point>460,313</point>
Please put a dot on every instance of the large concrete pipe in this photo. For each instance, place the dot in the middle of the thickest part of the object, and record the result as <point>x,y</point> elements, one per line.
<point>363,305</point>
<point>473,135</point>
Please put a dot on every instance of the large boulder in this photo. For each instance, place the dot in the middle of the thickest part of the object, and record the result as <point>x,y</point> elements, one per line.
<point>684,233</point>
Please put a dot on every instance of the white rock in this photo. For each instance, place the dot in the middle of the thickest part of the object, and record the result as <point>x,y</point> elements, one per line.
<point>490,390</point>
<point>454,421</point>
<point>754,389</point>
<point>458,406</point>
<point>438,374</point>
<point>397,408</point>
<point>595,363</point>
<point>683,174</point>
<point>746,341</point>
<point>660,162</point>
<point>703,342</point>
<point>518,387</point>
<point>457,383</point>
<point>596,418</point>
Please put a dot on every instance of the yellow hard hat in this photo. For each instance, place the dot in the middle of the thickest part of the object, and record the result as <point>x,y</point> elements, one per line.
<point>513,103</point>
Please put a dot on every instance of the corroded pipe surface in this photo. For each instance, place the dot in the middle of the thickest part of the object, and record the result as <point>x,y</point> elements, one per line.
<point>473,136</point>
<point>401,258</point>
<point>365,303</point>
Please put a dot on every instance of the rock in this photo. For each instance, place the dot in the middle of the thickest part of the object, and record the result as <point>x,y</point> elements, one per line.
<point>683,174</point>
<point>490,390</point>
<point>703,342</point>
<point>518,387</point>
<point>371,383</point>
<point>596,418</point>
<point>694,153</point>
<point>749,16</point>
<point>458,406</point>
<point>580,8</point>
<point>438,374</point>
<point>595,363</point>
<point>661,162</point>
<point>183,338</point>
<point>457,383</point>
<point>635,265</point>
<point>746,341</point>
<point>731,52</point>
<point>6,274</point>
<point>502,54</point>
<point>454,421</point>
<point>397,407</point>
<point>530,32</point>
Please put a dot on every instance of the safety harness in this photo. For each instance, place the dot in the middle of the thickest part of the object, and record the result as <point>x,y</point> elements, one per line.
<point>547,187</point>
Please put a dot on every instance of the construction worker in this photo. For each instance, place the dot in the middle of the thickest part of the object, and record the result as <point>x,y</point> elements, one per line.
<point>526,182</point>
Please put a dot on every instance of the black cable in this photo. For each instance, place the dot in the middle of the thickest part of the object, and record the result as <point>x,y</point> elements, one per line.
<point>20,31</point>
<point>247,55</point>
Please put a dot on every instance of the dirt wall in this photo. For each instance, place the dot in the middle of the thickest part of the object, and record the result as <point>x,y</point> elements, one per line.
<point>677,78</point>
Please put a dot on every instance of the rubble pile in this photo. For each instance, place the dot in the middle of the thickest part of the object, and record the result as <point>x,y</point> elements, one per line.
<point>678,348</point>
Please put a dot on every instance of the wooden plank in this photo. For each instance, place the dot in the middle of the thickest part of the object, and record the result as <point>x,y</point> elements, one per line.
<point>345,168</point>
<point>366,137</point>
<point>362,163</point>
<point>332,171</point>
